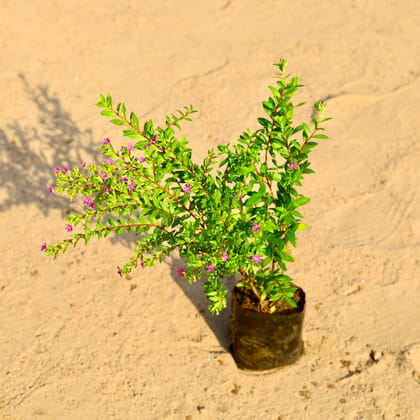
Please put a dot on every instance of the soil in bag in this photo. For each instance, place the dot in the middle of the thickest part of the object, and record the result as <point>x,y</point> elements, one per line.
<point>263,341</point>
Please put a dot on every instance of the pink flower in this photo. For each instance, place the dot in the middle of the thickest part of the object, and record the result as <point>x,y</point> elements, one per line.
<point>50,190</point>
<point>142,159</point>
<point>123,179</point>
<point>109,161</point>
<point>119,271</point>
<point>103,175</point>
<point>151,142</point>
<point>107,140</point>
<point>142,263</point>
<point>225,257</point>
<point>43,246</point>
<point>57,169</point>
<point>65,170</point>
<point>69,228</point>
<point>107,189</point>
<point>187,188</point>
<point>180,272</point>
<point>256,258</point>
<point>89,202</point>
<point>292,165</point>
<point>240,195</point>
<point>132,186</point>
<point>83,165</point>
<point>256,227</point>
<point>210,268</point>
<point>129,147</point>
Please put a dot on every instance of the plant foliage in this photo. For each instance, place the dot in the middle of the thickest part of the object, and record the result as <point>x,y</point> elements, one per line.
<point>237,211</point>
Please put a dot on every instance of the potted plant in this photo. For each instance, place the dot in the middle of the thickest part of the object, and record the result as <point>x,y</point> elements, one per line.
<point>236,212</point>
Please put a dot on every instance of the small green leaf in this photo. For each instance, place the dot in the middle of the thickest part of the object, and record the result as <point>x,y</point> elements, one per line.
<point>291,238</point>
<point>101,102</point>
<point>264,122</point>
<point>134,120</point>
<point>301,201</point>
<point>306,130</point>
<point>268,106</point>
<point>301,226</point>
<point>275,92</point>
<point>263,169</point>
<point>108,113</point>
<point>282,65</point>
<point>255,197</point>
<point>287,257</point>
<point>132,134</point>
<point>308,171</point>
<point>121,109</point>
<point>117,121</point>
<point>297,129</point>
<point>148,128</point>
<point>290,301</point>
<point>222,148</point>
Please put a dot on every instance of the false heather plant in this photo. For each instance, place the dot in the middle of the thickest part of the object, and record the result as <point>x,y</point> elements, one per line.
<point>236,212</point>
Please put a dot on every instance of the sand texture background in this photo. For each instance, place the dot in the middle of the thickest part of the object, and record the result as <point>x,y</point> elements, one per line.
<point>79,342</point>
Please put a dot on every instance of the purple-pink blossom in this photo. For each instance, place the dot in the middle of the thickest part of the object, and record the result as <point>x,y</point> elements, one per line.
<point>89,202</point>
<point>123,179</point>
<point>83,165</point>
<point>43,246</point>
<point>65,170</point>
<point>151,142</point>
<point>107,189</point>
<point>109,161</point>
<point>57,169</point>
<point>292,165</point>
<point>69,228</point>
<point>210,268</point>
<point>50,190</point>
<point>119,271</point>
<point>255,227</point>
<point>107,140</point>
<point>142,159</point>
<point>103,175</point>
<point>180,272</point>
<point>132,186</point>
<point>187,188</point>
<point>256,258</point>
<point>225,256</point>
<point>129,147</point>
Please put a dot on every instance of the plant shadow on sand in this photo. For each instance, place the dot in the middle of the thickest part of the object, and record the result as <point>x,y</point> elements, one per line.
<point>218,324</point>
<point>28,155</point>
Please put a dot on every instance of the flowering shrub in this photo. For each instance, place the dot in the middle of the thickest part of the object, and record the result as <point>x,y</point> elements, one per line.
<point>234,212</point>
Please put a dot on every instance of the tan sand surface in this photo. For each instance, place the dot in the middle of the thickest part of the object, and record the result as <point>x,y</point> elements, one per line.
<point>77,341</point>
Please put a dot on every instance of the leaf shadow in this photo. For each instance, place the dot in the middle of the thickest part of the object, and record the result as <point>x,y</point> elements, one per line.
<point>28,154</point>
<point>218,324</point>
<point>30,151</point>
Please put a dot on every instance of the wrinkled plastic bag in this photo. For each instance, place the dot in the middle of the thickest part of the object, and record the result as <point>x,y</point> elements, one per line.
<point>262,341</point>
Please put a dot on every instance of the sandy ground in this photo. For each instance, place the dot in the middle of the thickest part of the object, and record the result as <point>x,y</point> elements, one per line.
<point>78,342</point>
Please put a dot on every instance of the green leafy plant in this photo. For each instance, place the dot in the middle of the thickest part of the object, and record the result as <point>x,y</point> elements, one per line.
<point>236,212</point>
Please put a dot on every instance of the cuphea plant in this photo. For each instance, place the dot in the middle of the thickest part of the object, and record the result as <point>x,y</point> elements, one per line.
<point>236,212</point>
